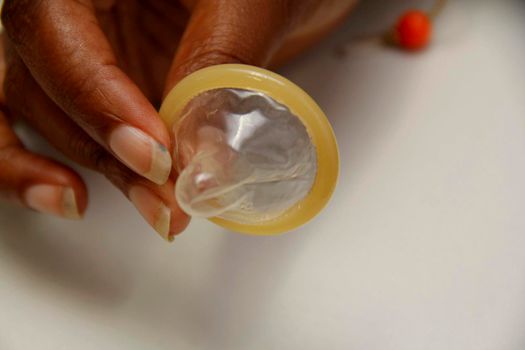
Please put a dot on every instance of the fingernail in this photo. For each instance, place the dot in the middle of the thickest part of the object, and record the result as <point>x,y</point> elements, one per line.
<point>141,153</point>
<point>153,210</point>
<point>52,199</point>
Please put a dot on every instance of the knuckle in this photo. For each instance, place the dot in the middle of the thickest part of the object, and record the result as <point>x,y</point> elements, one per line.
<point>221,51</point>
<point>218,55</point>
<point>88,153</point>
<point>113,170</point>
<point>92,155</point>
<point>117,175</point>
<point>100,159</point>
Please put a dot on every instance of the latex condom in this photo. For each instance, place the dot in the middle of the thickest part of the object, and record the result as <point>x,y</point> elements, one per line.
<point>254,153</point>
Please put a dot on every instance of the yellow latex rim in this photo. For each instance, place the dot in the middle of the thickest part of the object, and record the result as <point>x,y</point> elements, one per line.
<point>300,104</point>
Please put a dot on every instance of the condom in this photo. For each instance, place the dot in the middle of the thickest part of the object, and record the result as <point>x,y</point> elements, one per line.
<point>254,153</point>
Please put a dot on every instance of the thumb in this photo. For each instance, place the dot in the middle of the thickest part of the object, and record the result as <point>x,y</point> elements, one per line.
<point>230,31</point>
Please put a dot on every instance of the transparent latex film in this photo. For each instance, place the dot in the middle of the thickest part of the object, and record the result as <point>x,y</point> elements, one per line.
<point>241,156</point>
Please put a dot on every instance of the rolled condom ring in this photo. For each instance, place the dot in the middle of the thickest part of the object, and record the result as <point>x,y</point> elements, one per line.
<point>254,153</point>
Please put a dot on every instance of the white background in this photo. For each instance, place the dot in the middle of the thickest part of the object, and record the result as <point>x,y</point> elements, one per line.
<point>422,246</point>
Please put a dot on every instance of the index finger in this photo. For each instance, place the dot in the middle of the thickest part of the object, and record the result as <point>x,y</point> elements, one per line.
<point>67,53</point>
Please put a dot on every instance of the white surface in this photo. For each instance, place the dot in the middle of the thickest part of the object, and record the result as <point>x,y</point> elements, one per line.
<point>422,246</point>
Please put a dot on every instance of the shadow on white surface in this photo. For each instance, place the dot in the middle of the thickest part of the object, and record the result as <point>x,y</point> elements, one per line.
<point>228,300</point>
<point>52,254</point>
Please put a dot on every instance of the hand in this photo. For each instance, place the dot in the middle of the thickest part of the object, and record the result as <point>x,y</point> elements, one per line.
<point>87,75</point>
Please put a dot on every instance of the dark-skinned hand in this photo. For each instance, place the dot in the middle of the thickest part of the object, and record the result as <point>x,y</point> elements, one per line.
<point>88,75</point>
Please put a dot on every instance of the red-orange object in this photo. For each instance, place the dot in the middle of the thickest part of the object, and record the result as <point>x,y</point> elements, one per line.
<point>413,30</point>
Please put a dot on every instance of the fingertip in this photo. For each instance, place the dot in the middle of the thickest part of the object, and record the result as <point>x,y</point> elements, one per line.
<point>179,219</point>
<point>53,199</point>
<point>78,197</point>
<point>141,153</point>
<point>158,207</point>
<point>72,194</point>
<point>43,184</point>
<point>179,222</point>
